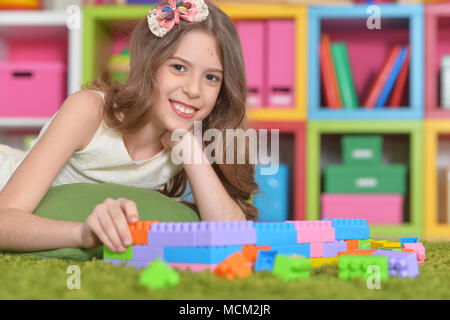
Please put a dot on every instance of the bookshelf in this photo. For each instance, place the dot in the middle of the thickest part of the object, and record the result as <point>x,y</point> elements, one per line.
<point>367,50</point>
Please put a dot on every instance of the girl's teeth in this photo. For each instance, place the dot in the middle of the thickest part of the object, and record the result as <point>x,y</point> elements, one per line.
<point>181,109</point>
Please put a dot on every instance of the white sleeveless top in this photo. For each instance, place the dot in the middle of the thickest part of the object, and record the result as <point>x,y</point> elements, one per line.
<point>104,160</point>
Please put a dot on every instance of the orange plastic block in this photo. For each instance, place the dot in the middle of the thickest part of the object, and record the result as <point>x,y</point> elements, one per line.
<point>139,231</point>
<point>250,252</point>
<point>235,266</point>
<point>352,244</point>
<point>359,252</point>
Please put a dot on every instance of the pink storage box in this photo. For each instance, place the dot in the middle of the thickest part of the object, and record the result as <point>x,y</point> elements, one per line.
<point>376,208</point>
<point>31,89</point>
<point>281,62</point>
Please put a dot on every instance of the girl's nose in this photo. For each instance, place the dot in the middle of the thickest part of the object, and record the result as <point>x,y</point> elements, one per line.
<point>192,88</point>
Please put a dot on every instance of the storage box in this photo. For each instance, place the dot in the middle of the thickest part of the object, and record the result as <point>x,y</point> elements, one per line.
<point>362,150</point>
<point>31,89</point>
<point>376,208</point>
<point>365,179</point>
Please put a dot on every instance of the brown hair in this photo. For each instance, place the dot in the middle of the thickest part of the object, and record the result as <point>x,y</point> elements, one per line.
<point>135,98</point>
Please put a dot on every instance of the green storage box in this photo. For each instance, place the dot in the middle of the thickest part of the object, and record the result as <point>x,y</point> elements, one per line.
<point>362,150</point>
<point>365,179</point>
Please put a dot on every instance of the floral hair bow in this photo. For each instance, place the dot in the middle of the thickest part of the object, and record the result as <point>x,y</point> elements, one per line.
<point>162,19</point>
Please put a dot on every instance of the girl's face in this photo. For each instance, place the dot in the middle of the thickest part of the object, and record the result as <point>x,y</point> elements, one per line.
<point>189,82</point>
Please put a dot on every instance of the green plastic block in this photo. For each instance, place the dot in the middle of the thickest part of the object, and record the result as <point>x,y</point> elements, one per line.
<point>362,150</point>
<point>389,248</point>
<point>365,179</point>
<point>291,268</point>
<point>127,255</point>
<point>159,275</point>
<point>358,266</point>
<point>364,244</point>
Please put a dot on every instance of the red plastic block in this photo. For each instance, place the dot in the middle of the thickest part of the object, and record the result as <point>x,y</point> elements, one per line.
<point>139,231</point>
<point>233,267</point>
<point>352,244</point>
<point>314,231</point>
<point>250,252</point>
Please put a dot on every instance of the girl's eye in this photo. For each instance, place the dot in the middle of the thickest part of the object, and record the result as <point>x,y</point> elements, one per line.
<point>177,66</point>
<point>213,78</point>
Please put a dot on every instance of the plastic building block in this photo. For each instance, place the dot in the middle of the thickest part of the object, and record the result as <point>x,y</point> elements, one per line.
<point>250,252</point>
<point>265,260</point>
<point>172,234</point>
<point>208,255</point>
<point>193,267</point>
<point>138,264</point>
<point>318,262</point>
<point>235,266</point>
<point>147,253</point>
<point>300,249</point>
<point>158,275</point>
<point>347,229</point>
<point>408,240</point>
<point>139,231</point>
<point>350,267</point>
<point>316,250</point>
<point>390,249</point>
<point>331,249</point>
<point>419,249</point>
<point>364,244</point>
<point>314,231</point>
<point>401,264</point>
<point>358,252</point>
<point>225,233</point>
<point>272,233</point>
<point>352,244</point>
<point>384,243</point>
<point>291,268</point>
<point>127,255</point>
<point>192,234</point>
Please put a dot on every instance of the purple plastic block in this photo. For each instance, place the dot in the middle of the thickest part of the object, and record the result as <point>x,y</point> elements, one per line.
<point>132,263</point>
<point>331,249</point>
<point>172,234</point>
<point>225,233</point>
<point>401,264</point>
<point>147,253</point>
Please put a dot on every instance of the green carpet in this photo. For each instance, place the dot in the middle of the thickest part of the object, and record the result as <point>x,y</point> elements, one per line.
<point>23,277</point>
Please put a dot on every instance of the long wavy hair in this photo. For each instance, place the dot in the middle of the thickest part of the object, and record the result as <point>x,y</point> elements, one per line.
<point>128,105</point>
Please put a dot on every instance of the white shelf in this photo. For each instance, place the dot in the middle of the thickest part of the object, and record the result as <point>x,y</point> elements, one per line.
<point>22,122</point>
<point>36,18</point>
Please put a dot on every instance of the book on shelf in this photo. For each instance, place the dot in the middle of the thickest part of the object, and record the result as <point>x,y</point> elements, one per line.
<point>445,82</point>
<point>399,86</point>
<point>344,75</point>
<point>330,85</point>
<point>381,78</point>
<point>393,75</point>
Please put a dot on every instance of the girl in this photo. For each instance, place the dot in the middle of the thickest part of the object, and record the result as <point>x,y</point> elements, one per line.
<point>186,66</point>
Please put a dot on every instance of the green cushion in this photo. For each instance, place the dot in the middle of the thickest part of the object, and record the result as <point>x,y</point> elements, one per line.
<point>75,202</point>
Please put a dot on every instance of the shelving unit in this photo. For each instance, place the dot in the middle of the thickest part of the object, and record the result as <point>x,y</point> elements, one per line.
<point>367,51</point>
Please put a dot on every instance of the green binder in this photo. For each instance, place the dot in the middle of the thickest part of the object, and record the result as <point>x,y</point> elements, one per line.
<point>344,75</point>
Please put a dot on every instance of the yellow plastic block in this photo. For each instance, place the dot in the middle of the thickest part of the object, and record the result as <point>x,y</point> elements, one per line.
<point>384,243</point>
<point>317,262</point>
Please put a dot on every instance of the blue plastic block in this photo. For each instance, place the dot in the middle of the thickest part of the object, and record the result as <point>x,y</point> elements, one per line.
<point>272,201</point>
<point>207,255</point>
<point>272,233</point>
<point>350,229</point>
<point>301,249</point>
<point>265,260</point>
<point>408,240</point>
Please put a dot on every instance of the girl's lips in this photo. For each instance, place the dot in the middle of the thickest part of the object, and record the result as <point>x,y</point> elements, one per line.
<point>181,114</point>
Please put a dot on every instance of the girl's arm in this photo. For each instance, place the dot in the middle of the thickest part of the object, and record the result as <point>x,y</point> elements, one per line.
<point>70,131</point>
<point>211,197</point>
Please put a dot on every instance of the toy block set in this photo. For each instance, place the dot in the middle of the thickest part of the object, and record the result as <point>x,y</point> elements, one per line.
<point>362,186</point>
<point>235,249</point>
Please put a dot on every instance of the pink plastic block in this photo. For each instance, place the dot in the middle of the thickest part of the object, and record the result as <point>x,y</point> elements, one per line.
<point>31,89</point>
<point>253,47</point>
<point>316,250</point>
<point>419,249</point>
<point>281,62</point>
<point>376,208</point>
<point>314,231</point>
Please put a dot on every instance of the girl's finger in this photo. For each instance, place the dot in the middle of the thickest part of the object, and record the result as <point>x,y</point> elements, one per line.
<point>130,209</point>
<point>95,227</point>
<point>109,229</point>
<point>119,220</point>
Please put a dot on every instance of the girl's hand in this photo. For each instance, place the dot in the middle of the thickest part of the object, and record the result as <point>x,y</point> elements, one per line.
<point>108,224</point>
